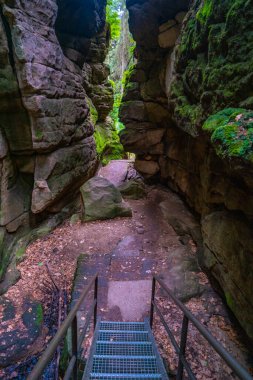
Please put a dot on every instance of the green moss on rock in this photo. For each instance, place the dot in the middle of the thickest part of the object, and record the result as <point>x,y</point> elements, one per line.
<point>205,11</point>
<point>93,111</point>
<point>213,61</point>
<point>232,133</point>
<point>107,143</point>
<point>229,300</point>
<point>39,315</point>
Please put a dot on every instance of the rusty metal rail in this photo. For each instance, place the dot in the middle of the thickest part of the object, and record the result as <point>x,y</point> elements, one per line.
<point>70,322</point>
<point>188,317</point>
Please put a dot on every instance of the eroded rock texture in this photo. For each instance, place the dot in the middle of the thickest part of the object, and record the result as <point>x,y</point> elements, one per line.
<point>188,69</point>
<point>46,145</point>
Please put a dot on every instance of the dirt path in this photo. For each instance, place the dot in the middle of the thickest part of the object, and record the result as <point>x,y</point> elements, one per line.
<point>127,252</point>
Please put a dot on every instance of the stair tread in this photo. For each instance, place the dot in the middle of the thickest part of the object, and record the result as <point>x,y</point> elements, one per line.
<point>123,348</point>
<point>126,336</point>
<point>125,365</point>
<point>125,356</point>
<point>123,376</point>
<point>123,326</point>
<point>123,342</point>
<point>124,331</point>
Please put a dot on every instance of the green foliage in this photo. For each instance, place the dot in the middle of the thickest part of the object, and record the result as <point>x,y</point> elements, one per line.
<point>205,11</point>
<point>131,47</point>
<point>127,75</point>
<point>113,11</point>
<point>115,112</point>
<point>39,315</point>
<point>93,111</point>
<point>107,143</point>
<point>232,133</point>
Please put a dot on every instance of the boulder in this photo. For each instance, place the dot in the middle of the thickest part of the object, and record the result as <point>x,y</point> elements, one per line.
<point>133,189</point>
<point>102,200</point>
<point>149,168</point>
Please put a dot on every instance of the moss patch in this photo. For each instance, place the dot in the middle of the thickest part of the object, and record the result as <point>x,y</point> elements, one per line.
<point>93,111</point>
<point>205,11</point>
<point>213,62</point>
<point>107,143</point>
<point>20,253</point>
<point>229,300</point>
<point>232,133</point>
<point>39,315</point>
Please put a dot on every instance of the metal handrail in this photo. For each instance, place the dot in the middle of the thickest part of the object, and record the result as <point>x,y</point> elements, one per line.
<point>180,350</point>
<point>70,321</point>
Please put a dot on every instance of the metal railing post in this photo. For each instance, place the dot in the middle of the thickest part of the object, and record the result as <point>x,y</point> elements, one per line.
<point>95,299</point>
<point>74,341</point>
<point>152,302</point>
<point>183,341</point>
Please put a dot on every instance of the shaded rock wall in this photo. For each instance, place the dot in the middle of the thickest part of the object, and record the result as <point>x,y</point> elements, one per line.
<point>46,145</point>
<point>168,97</point>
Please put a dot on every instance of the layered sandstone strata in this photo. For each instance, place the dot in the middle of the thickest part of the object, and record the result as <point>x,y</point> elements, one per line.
<point>188,69</point>
<point>47,149</point>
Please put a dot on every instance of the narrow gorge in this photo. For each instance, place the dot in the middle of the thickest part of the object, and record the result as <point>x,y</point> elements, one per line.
<point>162,87</point>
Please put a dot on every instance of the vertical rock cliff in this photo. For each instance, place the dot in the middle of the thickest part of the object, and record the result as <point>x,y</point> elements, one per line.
<point>47,149</point>
<point>187,111</point>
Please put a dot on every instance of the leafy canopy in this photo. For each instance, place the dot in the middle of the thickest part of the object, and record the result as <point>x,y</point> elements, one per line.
<point>113,17</point>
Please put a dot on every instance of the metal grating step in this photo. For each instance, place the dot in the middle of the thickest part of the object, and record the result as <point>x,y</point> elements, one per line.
<point>123,336</point>
<point>126,326</point>
<point>99,376</point>
<point>124,365</point>
<point>123,348</point>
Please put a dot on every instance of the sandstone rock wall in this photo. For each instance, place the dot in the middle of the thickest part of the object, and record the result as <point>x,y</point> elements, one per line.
<point>168,97</point>
<point>47,149</point>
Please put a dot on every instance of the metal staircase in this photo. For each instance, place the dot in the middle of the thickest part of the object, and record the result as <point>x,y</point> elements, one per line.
<point>124,350</point>
<point>127,350</point>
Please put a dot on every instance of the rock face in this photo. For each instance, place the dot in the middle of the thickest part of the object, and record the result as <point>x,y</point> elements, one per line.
<point>144,110</point>
<point>182,79</point>
<point>46,145</point>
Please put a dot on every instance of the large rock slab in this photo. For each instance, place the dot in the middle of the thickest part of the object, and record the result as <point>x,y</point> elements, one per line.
<point>102,200</point>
